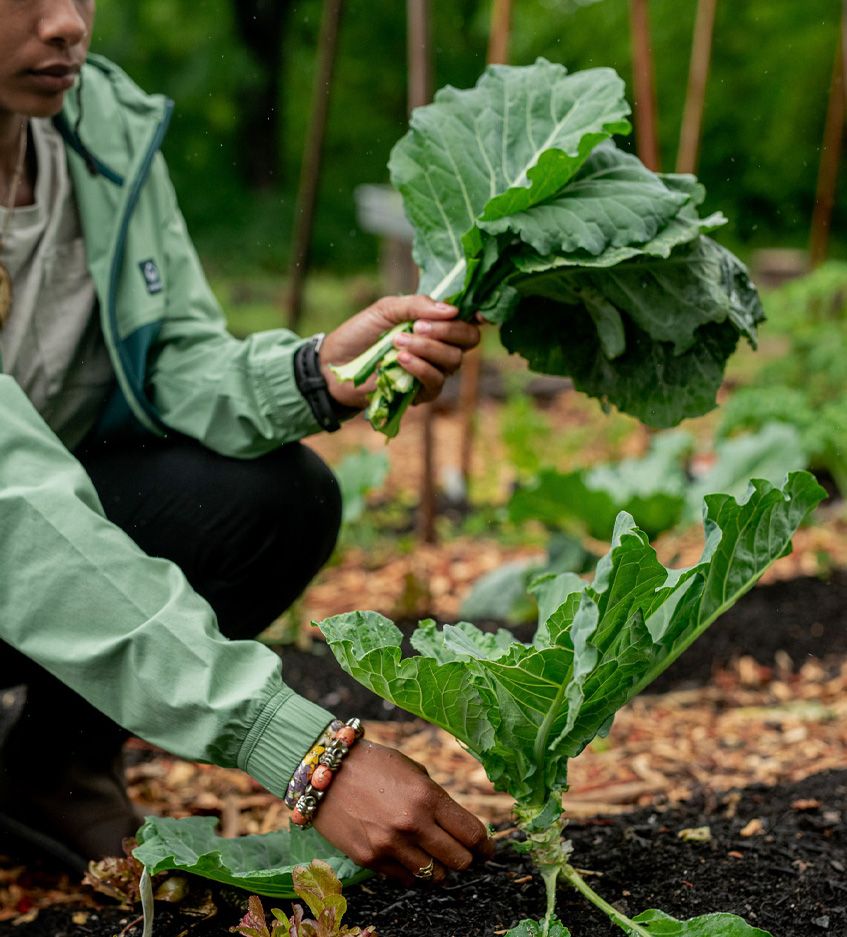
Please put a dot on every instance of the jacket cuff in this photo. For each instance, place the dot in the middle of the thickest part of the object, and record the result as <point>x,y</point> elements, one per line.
<point>289,409</point>
<point>286,729</point>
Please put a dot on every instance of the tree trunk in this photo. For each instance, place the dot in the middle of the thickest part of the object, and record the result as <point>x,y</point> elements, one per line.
<point>260,25</point>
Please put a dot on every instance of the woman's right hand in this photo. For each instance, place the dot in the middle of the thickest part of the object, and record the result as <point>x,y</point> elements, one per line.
<point>385,812</point>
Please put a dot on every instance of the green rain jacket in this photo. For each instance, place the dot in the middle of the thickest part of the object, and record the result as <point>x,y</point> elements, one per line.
<point>125,630</point>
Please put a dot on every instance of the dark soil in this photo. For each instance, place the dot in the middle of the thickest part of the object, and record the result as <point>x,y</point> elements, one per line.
<point>804,617</point>
<point>790,879</point>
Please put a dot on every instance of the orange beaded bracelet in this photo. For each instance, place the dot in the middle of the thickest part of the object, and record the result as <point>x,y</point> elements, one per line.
<point>318,769</point>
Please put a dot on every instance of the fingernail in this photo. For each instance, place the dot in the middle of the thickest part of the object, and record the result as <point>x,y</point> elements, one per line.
<point>422,325</point>
<point>404,357</point>
<point>402,339</point>
<point>445,307</point>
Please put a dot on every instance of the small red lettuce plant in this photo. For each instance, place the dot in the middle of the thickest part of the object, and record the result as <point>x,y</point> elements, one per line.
<point>320,888</point>
<point>524,710</point>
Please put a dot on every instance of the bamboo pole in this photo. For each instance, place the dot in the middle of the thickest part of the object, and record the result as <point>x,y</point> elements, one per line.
<point>419,93</point>
<point>695,100</point>
<point>498,53</point>
<point>833,138</point>
<point>310,170</point>
<point>646,121</point>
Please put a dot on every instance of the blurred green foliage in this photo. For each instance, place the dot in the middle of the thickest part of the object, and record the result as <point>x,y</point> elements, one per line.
<point>763,123</point>
<point>805,385</point>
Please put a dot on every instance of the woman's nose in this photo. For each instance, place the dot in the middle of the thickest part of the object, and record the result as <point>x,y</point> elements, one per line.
<point>62,23</point>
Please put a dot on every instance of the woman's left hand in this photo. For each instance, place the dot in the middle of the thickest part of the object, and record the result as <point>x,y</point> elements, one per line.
<point>430,353</point>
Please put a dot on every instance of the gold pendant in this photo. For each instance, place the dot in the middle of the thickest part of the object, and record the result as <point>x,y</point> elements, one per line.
<point>5,295</point>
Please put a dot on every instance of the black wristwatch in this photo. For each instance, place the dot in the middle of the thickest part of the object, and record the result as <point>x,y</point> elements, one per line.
<point>312,384</point>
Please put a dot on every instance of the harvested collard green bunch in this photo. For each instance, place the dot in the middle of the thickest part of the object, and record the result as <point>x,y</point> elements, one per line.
<point>592,265</point>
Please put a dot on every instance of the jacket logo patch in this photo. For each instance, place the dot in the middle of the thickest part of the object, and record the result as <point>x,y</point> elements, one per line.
<point>152,277</point>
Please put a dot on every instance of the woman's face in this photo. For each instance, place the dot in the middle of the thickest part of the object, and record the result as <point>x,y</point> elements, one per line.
<point>43,43</point>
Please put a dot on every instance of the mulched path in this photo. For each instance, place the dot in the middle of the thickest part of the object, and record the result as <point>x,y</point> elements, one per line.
<point>777,856</point>
<point>802,618</point>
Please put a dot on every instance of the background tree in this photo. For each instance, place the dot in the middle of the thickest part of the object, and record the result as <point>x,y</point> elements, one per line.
<point>261,27</point>
<point>762,129</point>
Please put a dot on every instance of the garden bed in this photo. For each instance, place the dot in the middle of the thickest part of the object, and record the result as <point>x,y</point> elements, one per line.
<point>777,855</point>
<point>774,716</point>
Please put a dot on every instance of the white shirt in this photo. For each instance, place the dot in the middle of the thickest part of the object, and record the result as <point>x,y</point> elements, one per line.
<point>52,343</point>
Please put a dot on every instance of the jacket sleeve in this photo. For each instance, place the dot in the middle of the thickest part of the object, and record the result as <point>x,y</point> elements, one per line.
<point>237,397</point>
<point>124,630</point>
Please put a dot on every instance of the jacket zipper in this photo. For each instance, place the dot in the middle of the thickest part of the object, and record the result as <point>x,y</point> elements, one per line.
<point>142,409</point>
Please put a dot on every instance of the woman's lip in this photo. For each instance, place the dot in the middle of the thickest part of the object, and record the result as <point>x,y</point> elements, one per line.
<point>54,79</point>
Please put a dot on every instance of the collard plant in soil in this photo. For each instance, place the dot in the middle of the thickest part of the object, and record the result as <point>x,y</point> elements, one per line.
<point>591,265</point>
<point>524,710</point>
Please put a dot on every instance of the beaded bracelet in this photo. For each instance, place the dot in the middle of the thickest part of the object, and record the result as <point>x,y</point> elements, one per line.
<point>314,775</point>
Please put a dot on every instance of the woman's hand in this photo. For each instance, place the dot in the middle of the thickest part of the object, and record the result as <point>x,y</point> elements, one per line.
<point>430,353</point>
<point>386,813</point>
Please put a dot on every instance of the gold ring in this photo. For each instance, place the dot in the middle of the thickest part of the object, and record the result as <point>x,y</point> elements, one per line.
<point>425,871</point>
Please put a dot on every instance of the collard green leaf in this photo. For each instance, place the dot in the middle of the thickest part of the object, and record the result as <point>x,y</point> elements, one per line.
<point>524,209</point>
<point>651,488</point>
<point>707,925</point>
<point>668,299</point>
<point>648,380</point>
<point>358,474</point>
<point>501,593</point>
<point>263,864</point>
<point>613,201</point>
<point>511,141</point>
<point>771,453</point>
<point>524,710</point>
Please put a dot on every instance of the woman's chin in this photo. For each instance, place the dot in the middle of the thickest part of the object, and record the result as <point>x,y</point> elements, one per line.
<point>36,105</point>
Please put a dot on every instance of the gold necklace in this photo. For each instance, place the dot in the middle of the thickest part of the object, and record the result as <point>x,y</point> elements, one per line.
<point>5,276</point>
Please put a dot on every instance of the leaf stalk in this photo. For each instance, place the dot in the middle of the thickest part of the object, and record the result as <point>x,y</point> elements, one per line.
<point>627,925</point>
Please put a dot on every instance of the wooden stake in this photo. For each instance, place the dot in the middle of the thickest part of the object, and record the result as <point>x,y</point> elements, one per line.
<point>501,32</point>
<point>695,99</point>
<point>833,138</point>
<point>646,121</point>
<point>498,53</point>
<point>420,93</point>
<point>310,170</point>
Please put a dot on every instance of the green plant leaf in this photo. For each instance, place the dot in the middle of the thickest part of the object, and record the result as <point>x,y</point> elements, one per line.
<point>358,474</point>
<point>681,315</point>
<point>263,864</point>
<point>613,201</point>
<point>651,488</point>
<point>318,885</point>
<point>529,928</point>
<point>592,265</point>
<point>511,141</point>
<point>254,923</point>
<point>524,710</point>
<point>708,925</point>
<point>771,453</point>
<point>648,381</point>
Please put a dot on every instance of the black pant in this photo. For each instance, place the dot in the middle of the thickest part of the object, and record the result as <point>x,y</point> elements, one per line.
<point>248,534</point>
